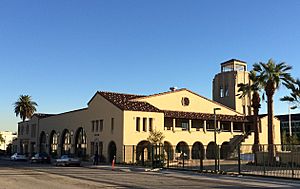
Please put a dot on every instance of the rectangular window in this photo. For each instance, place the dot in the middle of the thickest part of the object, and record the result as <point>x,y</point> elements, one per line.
<point>97,125</point>
<point>145,124</point>
<point>33,130</point>
<point>101,125</point>
<point>226,90</point>
<point>150,124</point>
<point>137,124</point>
<point>27,129</point>
<point>112,124</point>
<point>221,92</point>
<point>93,126</point>
<point>184,125</point>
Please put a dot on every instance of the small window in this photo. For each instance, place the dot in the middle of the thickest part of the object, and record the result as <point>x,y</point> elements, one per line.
<point>221,92</point>
<point>150,124</point>
<point>101,125</point>
<point>226,91</point>
<point>145,124</point>
<point>137,124</point>
<point>112,124</point>
<point>93,126</point>
<point>97,125</point>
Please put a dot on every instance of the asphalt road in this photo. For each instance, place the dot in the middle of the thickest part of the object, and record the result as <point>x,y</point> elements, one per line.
<point>15,175</point>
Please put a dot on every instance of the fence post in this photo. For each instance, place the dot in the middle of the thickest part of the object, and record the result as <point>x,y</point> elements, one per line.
<point>182,159</point>
<point>219,157</point>
<point>124,154</point>
<point>264,162</point>
<point>168,160</point>
<point>239,158</point>
<point>152,155</point>
<point>133,154</point>
<point>292,157</point>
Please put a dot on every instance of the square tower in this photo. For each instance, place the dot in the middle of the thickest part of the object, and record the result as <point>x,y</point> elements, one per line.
<point>225,89</point>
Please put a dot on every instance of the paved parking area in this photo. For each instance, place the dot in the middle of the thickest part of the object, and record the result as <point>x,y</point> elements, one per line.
<point>24,175</point>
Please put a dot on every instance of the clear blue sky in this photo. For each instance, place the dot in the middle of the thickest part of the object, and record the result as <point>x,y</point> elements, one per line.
<point>62,52</point>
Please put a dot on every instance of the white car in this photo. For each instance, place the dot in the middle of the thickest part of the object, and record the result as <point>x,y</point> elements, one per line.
<point>67,160</point>
<point>18,157</point>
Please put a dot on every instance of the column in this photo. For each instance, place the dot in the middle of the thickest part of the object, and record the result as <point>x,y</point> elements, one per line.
<point>190,125</point>
<point>190,152</point>
<point>243,127</point>
<point>231,127</point>
<point>204,126</point>
<point>174,124</point>
<point>218,125</point>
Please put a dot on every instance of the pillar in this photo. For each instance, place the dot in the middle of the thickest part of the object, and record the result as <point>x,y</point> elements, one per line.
<point>243,127</point>
<point>204,126</point>
<point>231,127</point>
<point>174,124</point>
<point>190,125</point>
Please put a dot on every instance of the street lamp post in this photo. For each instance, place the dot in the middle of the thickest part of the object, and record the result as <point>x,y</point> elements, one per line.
<point>290,121</point>
<point>215,137</point>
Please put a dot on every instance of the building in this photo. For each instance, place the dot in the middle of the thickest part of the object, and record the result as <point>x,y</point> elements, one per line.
<point>295,124</point>
<point>112,121</point>
<point>225,86</point>
<point>8,137</point>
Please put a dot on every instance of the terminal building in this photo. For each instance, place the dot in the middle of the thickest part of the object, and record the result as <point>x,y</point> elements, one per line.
<point>113,120</point>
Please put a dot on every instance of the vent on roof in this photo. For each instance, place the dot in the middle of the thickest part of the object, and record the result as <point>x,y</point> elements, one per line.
<point>173,88</point>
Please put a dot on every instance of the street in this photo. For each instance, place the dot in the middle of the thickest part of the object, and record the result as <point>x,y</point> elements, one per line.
<point>15,175</point>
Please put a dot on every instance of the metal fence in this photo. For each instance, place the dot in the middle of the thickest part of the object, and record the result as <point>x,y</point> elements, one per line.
<point>266,160</point>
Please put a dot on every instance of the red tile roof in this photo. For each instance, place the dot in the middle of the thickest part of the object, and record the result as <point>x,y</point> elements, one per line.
<point>204,116</point>
<point>124,102</point>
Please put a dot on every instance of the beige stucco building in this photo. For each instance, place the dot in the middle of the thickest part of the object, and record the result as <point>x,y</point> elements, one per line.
<point>111,121</point>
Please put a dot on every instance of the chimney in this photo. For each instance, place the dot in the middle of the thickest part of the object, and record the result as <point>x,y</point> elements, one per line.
<point>173,88</point>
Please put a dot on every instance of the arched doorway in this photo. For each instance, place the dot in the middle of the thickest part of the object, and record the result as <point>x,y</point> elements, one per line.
<point>198,151</point>
<point>225,150</point>
<point>53,144</point>
<point>112,151</point>
<point>65,142</point>
<point>182,150</point>
<point>143,152</point>
<point>43,142</point>
<point>211,150</point>
<point>169,151</point>
<point>80,142</point>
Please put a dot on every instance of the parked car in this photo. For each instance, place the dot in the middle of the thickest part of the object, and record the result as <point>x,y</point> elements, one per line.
<point>40,158</point>
<point>18,157</point>
<point>67,160</point>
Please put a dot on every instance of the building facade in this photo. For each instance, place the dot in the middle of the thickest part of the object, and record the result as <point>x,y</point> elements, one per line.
<point>111,121</point>
<point>8,137</point>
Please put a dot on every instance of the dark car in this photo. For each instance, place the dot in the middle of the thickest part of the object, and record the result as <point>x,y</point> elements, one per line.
<point>40,158</point>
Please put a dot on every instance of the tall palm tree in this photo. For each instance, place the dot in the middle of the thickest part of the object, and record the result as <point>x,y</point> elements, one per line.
<point>25,107</point>
<point>253,87</point>
<point>271,75</point>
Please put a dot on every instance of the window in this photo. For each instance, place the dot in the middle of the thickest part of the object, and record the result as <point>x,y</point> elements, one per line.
<point>27,129</point>
<point>33,129</point>
<point>145,124</point>
<point>97,125</point>
<point>101,125</point>
<point>93,126</point>
<point>226,91</point>
<point>137,124</point>
<point>112,124</point>
<point>184,125</point>
<point>150,124</point>
<point>221,92</point>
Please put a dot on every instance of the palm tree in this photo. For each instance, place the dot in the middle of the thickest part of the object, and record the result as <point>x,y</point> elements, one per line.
<point>253,87</point>
<point>295,93</point>
<point>25,107</point>
<point>271,75</point>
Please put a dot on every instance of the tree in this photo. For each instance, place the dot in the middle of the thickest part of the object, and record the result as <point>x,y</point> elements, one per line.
<point>156,137</point>
<point>253,87</point>
<point>1,139</point>
<point>294,97</point>
<point>271,75</point>
<point>25,107</point>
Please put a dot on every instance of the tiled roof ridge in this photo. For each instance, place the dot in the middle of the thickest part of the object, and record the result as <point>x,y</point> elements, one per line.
<point>119,93</point>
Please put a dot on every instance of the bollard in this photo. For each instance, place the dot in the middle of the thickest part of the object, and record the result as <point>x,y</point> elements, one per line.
<point>113,164</point>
